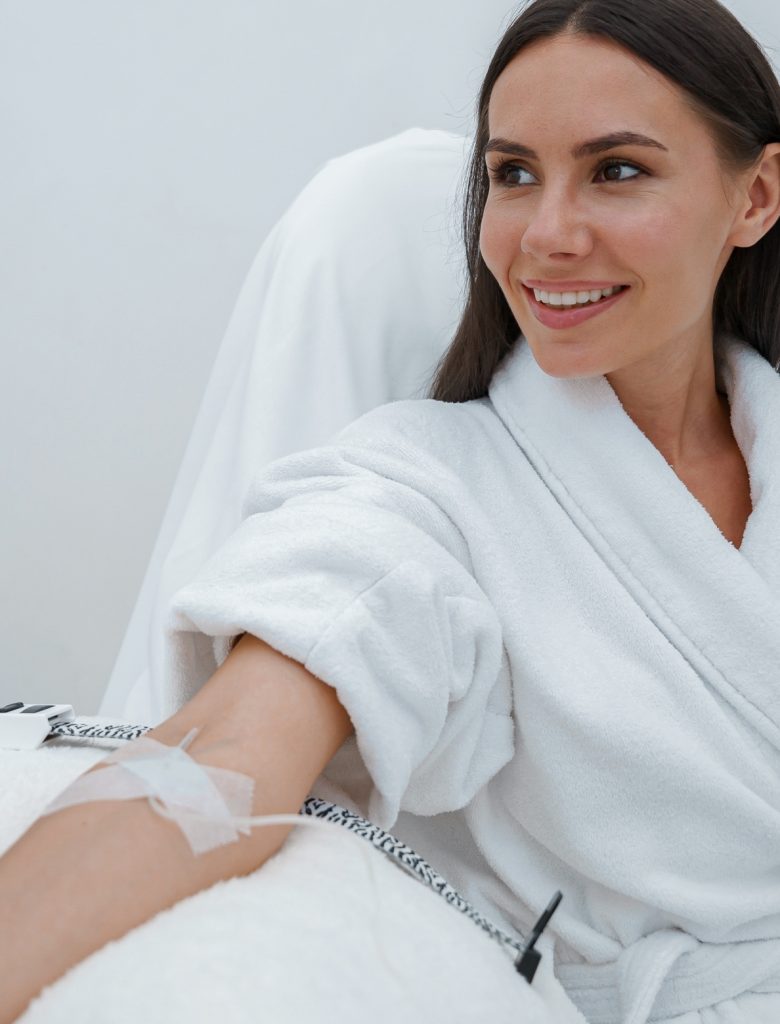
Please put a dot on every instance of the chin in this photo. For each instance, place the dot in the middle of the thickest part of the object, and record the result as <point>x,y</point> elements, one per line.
<point>566,359</point>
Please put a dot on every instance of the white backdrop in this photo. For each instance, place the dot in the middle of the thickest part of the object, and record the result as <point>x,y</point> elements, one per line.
<point>147,148</point>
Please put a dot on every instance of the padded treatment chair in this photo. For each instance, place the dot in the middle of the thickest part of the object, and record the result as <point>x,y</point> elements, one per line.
<point>350,303</point>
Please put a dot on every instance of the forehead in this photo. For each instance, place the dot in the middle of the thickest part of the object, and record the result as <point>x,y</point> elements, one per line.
<point>574,84</point>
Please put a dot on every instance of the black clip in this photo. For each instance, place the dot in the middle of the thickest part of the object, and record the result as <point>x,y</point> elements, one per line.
<point>529,959</point>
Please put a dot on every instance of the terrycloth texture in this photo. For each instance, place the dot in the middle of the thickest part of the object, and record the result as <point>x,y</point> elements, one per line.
<point>328,931</point>
<point>560,673</point>
<point>359,285</point>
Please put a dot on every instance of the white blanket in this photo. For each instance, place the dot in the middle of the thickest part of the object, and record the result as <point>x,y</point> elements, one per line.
<point>327,931</point>
<point>561,674</point>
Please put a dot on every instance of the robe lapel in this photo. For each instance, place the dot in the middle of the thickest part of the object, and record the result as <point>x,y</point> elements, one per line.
<point>753,388</point>
<point>719,606</point>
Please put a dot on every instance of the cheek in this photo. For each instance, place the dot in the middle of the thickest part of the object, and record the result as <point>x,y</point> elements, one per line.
<point>498,241</point>
<point>641,230</point>
<point>672,248</point>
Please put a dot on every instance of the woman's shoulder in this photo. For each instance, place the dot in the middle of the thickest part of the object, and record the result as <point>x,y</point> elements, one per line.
<point>423,423</point>
<point>412,447</point>
<point>426,446</point>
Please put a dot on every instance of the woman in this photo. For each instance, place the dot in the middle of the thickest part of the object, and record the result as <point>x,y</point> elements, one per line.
<point>532,624</point>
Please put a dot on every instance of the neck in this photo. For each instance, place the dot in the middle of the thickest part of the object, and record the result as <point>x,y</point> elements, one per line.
<point>673,399</point>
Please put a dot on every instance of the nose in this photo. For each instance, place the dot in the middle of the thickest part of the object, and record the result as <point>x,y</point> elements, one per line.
<point>557,226</point>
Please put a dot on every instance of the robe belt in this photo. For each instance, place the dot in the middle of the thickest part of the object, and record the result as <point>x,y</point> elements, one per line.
<point>667,973</point>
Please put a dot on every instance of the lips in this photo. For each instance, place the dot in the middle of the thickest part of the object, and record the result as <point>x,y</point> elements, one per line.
<point>561,317</point>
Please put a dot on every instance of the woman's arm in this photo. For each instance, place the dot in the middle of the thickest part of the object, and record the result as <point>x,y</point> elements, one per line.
<point>88,874</point>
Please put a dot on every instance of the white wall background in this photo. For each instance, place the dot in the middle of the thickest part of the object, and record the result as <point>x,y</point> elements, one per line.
<point>147,148</point>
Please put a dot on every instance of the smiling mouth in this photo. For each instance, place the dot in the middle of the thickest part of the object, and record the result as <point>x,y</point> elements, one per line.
<point>565,307</point>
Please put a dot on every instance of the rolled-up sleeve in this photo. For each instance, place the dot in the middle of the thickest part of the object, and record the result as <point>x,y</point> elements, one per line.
<point>345,564</point>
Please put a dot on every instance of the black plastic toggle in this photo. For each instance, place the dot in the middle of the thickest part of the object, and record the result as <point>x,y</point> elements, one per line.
<point>527,961</point>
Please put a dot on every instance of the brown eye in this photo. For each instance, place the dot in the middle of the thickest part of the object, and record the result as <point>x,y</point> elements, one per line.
<point>504,173</point>
<point>612,171</point>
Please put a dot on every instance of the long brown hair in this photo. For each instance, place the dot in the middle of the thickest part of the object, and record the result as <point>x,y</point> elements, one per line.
<point>728,81</point>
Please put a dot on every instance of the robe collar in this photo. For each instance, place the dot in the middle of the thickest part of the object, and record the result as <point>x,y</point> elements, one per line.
<point>719,605</point>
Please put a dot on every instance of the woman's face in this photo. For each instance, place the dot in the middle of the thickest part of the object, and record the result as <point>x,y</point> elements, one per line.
<point>651,215</point>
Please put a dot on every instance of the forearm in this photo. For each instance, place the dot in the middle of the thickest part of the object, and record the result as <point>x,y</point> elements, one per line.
<point>88,874</point>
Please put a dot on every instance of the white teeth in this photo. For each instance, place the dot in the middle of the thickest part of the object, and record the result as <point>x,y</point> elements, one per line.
<point>573,298</point>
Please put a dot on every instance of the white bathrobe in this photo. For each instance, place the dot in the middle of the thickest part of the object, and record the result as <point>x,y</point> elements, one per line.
<point>560,673</point>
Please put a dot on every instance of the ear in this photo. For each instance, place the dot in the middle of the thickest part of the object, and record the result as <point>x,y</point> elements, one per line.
<point>759,205</point>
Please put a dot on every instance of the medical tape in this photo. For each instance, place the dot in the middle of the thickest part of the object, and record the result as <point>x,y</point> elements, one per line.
<point>208,804</point>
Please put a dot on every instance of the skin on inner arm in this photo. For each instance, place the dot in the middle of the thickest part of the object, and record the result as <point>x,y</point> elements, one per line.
<point>261,714</point>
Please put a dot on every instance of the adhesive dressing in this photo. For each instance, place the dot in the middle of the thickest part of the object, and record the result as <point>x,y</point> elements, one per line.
<point>207,803</point>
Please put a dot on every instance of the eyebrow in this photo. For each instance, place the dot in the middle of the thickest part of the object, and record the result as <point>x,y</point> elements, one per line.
<point>589,148</point>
